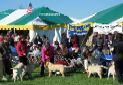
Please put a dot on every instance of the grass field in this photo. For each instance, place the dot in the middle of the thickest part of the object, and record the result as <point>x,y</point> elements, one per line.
<point>70,79</point>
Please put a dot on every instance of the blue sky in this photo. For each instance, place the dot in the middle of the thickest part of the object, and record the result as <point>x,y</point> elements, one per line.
<point>75,8</point>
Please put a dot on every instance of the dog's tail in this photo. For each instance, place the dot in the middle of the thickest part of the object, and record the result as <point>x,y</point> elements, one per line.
<point>104,67</point>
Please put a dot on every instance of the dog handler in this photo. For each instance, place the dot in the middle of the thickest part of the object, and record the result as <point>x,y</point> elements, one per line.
<point>22,51</point>
<point>1,64</point>
<point>47,54</point>
<point>118,57</point>
<point>6,63</point>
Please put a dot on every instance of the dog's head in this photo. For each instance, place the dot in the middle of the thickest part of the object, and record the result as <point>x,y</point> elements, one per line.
<point>89,67</point>
<point>112,63</point>
<point>46,64</point>
<point>18,66</point>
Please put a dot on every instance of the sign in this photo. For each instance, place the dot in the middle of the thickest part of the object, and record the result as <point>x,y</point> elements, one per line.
<point>49,14</point>
<point>79,29</point>
<point>16,27</point>
<point>107,28</point>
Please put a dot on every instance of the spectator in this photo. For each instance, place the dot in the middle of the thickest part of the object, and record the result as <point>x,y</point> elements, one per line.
<point>11,41</point>
<point>118,57</point>
<point>64,50</point>
<point>64,40</point>
<point>16,37</point>
<point>1,38</point>
<point>2,72</point>
<point>37,54</point>
<point>100,42</point>
<point>6,58</point>
<point>75,41</point>
<point>57,48</point>
<point>38,41</point>
<point>94,39</point>
<point>45,39</point>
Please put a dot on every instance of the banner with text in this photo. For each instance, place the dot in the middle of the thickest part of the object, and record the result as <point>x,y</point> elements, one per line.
<point>107,28</point>
<point>79,29</point>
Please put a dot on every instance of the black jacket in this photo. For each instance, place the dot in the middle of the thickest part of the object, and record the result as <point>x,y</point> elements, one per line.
<point>118,51</point>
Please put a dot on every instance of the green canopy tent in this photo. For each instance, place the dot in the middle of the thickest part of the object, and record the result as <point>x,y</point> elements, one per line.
<point>38,12</point>
<point>5,13</point>
<point>107,16</point>
<point>39,16</point>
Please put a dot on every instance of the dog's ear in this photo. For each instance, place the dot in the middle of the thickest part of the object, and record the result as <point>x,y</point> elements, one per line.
<point>46,64</point>
<point>111,63</point>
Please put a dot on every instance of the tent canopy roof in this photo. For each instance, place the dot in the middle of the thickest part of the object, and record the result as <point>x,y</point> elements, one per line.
<point>109,15</point>
<point>5,13</point>
<point>37,12</point>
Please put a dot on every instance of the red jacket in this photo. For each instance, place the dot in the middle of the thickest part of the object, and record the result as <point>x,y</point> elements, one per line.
<point>21,49</point>
<point>1,38</point>
<point>75,42</point>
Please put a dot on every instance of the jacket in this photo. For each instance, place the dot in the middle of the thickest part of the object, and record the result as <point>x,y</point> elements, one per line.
<point>47,53</point>
<point>21,49</point>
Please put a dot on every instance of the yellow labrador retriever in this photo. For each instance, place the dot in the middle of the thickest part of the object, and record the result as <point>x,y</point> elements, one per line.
<point>55,67</point>
<point>18,72</point>
<point>94,68</point>
<point>111,70</point>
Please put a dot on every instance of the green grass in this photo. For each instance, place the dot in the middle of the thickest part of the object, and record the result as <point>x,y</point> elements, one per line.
<point>70,79</point>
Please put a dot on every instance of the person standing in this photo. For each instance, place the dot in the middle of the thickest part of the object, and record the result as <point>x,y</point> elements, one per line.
<point>75,41</point>
<point>1,38</point>
<point>94,39</point>
<point>99,42</point>
<point>2,72</point>
<point>47,55</point>
<point>22,51</point>
<point>118,57</point>
<point>6,56</point>
<point>65,40</point>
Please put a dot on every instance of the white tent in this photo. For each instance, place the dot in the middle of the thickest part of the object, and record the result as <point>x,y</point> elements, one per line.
<point>52,34</point>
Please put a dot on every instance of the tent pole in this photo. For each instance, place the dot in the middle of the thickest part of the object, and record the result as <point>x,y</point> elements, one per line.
<point>14,30</point>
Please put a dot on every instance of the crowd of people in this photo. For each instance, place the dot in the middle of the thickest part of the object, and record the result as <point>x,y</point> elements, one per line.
<point>14,48</point>
<point>18,47</point>
<point>102,45</point>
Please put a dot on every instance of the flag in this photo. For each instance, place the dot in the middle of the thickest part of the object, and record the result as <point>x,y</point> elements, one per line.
<point>29,9</point>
